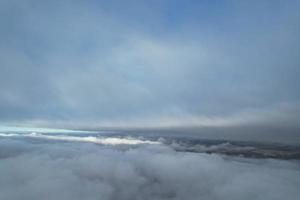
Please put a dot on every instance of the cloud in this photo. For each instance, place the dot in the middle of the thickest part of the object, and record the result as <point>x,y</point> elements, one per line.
<point>89,171</point>
<point>11,129</point>
<point>91,139</point>
<point>78,64</point>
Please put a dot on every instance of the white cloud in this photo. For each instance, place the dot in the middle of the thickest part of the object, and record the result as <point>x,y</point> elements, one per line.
<point>91,139</point>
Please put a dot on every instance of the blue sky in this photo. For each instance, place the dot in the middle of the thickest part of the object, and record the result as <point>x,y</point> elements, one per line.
<point>150,63</point>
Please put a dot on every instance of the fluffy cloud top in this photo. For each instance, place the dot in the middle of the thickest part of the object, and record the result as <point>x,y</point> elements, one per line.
<point>32,170</point>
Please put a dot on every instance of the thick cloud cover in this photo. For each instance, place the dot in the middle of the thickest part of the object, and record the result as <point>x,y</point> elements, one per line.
<point>42,169</point>
<point>150,63</point>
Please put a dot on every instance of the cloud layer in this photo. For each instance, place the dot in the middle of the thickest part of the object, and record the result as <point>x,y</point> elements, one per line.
<point>141,64</point>
<point>68,170</point>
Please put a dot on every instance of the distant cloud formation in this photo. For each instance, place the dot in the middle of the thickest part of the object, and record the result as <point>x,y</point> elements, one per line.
<point>90,139</point>
<point>151,64</point>
<point>70,171</point>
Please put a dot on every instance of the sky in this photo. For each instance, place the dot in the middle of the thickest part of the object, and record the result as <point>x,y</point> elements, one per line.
<point>151,64</point>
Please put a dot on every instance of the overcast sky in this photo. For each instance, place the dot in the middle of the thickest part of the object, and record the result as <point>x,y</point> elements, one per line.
<point>154,63</point>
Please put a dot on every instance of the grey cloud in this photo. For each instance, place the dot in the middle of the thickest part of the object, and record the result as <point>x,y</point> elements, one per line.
<point>88,63</point>
<point>86,171</point>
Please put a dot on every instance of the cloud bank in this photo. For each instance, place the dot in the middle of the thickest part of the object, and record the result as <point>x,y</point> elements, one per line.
<point>91,139</point>
<point>54,170</point>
